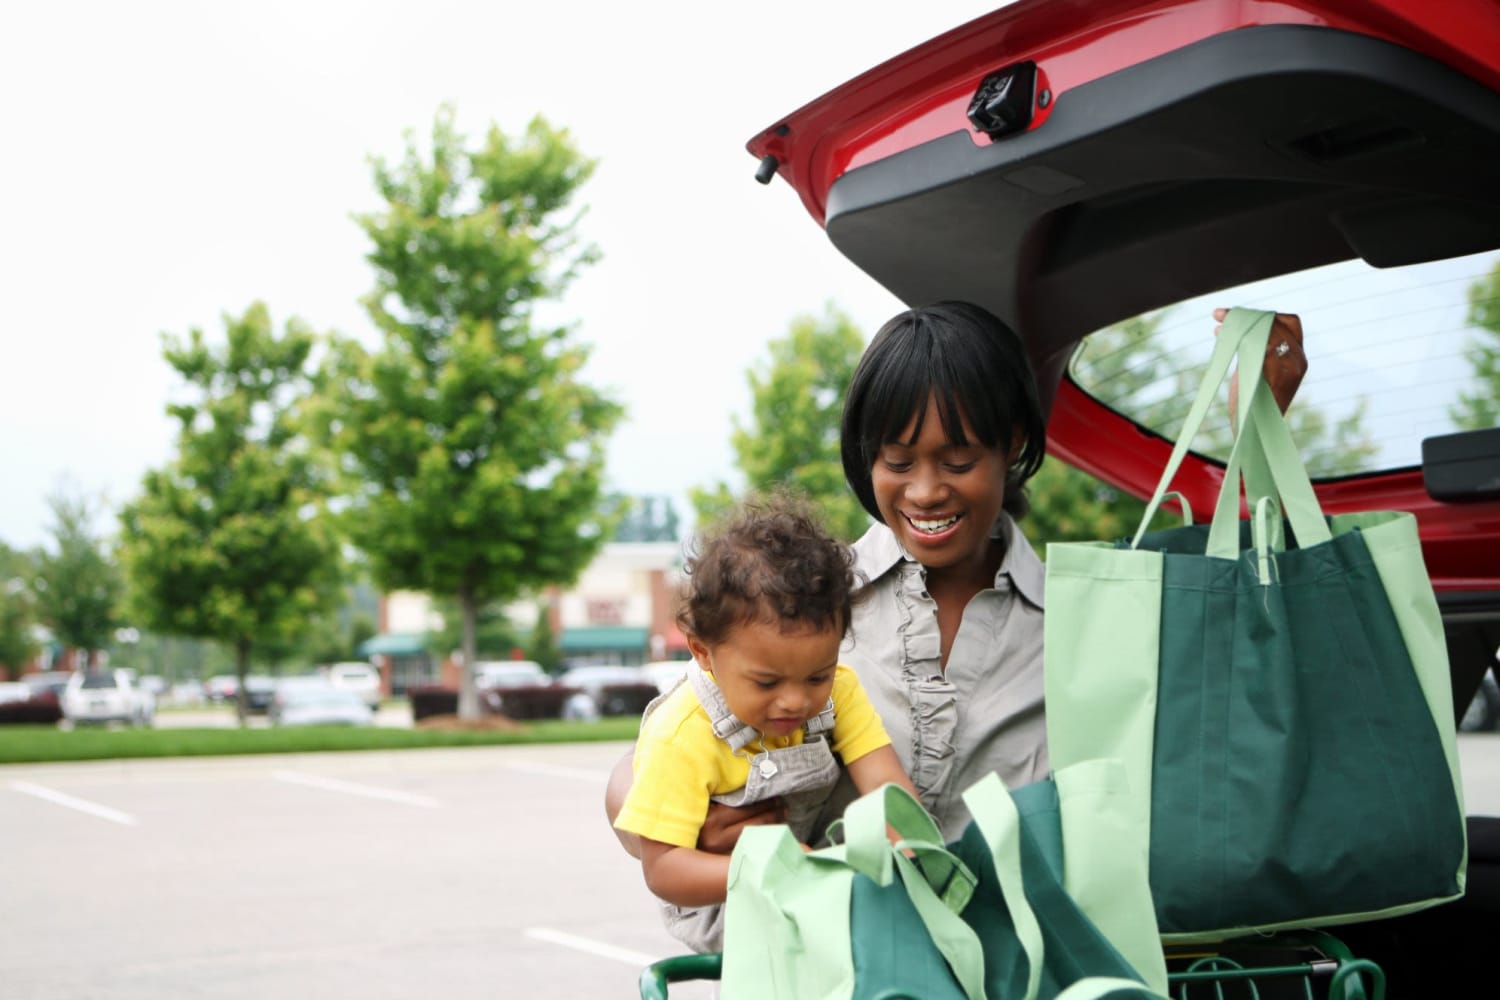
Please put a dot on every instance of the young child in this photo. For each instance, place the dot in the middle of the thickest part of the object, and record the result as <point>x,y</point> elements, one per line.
<point>770,713</point>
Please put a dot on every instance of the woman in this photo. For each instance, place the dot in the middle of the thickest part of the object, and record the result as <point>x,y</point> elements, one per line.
<point>942,428</point>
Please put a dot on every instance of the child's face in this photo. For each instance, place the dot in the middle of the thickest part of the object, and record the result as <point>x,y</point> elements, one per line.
<point>773,680</point>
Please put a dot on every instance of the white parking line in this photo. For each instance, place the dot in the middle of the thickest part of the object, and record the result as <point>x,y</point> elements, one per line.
<point>554,771</point>
<point>350,788</point>
<point>636,958</point>
<point>82,805</point>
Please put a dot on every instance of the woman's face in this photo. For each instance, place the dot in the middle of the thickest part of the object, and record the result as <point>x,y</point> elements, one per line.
<point>941,499</point>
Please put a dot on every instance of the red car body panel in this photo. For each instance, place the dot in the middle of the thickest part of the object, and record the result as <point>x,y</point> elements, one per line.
<point>924,93</point>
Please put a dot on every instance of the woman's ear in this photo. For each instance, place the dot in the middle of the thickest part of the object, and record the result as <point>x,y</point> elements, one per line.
<point>1017,446</point>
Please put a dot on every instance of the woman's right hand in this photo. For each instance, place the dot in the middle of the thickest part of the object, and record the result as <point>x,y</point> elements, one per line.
<point>723,824</point>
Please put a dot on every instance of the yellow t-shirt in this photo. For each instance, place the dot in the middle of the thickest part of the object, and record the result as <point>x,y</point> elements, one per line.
<point>680,764</point>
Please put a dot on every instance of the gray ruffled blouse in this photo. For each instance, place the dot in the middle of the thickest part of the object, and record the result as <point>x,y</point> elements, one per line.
<point>984,713</point>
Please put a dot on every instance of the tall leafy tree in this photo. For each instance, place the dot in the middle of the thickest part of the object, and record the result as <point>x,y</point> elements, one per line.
<point>226,542</point>
<point>474,449</point>
<point>792,437</point>
<point>1479,408</point>
<point>18,617</point>
<point>78,586</point>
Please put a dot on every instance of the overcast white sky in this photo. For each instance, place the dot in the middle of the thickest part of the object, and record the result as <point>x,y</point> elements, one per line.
<point>166,163</point>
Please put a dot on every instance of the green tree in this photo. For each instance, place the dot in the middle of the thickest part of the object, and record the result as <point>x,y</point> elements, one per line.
<point>792,438</point>
<point>78,586</point>
<point>18,617</point>
<point>226,542</point>
<point>495,636</point>
<point>474,449</point>
<point>1479,408</point>
<point>542,645</point>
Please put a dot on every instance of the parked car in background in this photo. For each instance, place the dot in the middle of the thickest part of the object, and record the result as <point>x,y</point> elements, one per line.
<point>259,690</point>
<point>50,681</point>
<point>102,696</point>
<point>316,702</point>
<point>34,699</point>
<point>509,674</point>
<point>607,691</point>
<point>666,672</point>
<point>186,693</point>
<point>221,688</point>
<point>357,676</point>
<point>520,689</point>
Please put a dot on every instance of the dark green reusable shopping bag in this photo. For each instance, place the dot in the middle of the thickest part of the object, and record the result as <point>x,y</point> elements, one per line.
<point>1053,944</point>
<point>871,920</point>
<point>1278,690</point>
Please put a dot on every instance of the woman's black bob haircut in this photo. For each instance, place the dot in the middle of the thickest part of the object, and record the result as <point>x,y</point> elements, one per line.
<point>977,368</point>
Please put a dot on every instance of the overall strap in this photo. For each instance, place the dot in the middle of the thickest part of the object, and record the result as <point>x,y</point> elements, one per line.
<point>820,725</point>
<point>726,727</point>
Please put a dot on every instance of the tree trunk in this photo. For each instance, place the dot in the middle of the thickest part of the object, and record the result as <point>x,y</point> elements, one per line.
<point>468,692</point>
<point>242,671</point>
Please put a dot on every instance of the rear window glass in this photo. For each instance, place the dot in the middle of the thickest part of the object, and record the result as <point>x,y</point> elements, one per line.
<point>93,682</point>
<point>1394,356</point>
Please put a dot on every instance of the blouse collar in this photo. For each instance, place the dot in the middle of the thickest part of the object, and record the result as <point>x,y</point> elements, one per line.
<point>878,551</point>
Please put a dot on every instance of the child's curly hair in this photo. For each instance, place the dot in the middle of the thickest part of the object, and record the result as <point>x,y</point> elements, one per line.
<point>767,560</point>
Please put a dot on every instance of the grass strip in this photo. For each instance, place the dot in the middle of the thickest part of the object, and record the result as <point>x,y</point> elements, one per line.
<point>36,744</point>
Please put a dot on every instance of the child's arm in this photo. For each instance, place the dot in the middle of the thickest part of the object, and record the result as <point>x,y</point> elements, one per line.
<point>879,767</point>
<point>684,876</point>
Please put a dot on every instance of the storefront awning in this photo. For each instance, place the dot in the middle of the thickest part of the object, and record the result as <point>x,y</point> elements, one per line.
<point>603,637</point>
<point>394,644</point>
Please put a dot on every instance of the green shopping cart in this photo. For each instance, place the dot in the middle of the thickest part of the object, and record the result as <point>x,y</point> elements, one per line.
<point>1306,965</point>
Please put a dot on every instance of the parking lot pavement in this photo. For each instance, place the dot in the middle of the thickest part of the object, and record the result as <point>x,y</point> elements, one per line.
<point>474,872</point>
<point>481,872</point>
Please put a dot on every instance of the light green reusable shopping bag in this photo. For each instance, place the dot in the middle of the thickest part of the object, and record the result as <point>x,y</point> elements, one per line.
<point>867,919</point>
<point>792,927</point>
<point>1278,691</point>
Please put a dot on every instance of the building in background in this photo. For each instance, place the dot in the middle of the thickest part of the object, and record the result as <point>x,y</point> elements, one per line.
<point>622,610</point>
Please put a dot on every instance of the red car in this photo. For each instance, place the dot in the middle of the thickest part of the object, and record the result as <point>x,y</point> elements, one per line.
<point>1102,174</point>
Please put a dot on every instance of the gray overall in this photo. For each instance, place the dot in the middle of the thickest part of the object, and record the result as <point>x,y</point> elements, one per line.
<point>802,775</point>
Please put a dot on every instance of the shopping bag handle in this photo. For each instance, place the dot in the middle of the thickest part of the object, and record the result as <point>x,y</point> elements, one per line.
<point>865,836</point>
<point>938,884</point>
<point>1226,345</point>
<point>995,816</point>
<point>1263,445</point>
<point>1263,449</point>
<point>870,852</point>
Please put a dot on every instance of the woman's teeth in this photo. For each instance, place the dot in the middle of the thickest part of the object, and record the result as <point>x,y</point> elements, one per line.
<point>932,527</point>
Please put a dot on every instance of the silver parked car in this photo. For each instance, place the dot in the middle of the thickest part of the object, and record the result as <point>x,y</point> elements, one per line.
<point>102,696</point>
<point>318,703</point>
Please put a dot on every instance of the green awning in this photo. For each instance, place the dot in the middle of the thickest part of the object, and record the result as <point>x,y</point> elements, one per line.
<point>610,637</point>
<point>394,644</point>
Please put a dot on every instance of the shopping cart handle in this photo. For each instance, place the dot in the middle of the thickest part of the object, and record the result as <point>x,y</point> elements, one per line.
<point>677,969</point>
